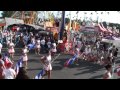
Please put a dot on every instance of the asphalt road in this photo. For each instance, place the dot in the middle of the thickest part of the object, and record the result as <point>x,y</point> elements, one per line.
<point>85,69</point>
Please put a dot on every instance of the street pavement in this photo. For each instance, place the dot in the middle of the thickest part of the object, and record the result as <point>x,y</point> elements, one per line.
<point>85,69</point>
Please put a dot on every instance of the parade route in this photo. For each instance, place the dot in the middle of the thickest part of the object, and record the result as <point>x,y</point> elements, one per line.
<point>85,69</point>
<point>59,46</point>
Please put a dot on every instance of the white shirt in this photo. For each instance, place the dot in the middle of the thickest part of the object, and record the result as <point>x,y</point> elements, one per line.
<point>8,42</point>
<point>25,51</point>
<point>11,44</point>
<point>43,42</point>
<point>48,62</point>
<point>111,54</point>
<point>87,50</point>
<point>54,48</point>
<point>33,40</point>
<point>9,73</point>
<point>54,44</point>
<point>48,59</point>
<point>49,44</point>
<point>1,46</point>
<point>38,42</point>
<point>77,51</point>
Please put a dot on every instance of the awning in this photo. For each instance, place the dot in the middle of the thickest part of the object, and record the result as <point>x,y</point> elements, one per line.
<point>35,26</point>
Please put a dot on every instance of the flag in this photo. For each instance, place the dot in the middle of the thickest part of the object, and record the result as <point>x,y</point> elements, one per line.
<point>73,59</point>
<point>70,61</point>
<point>67,63</point>
<point>18,65</point>
<point>40,74</point>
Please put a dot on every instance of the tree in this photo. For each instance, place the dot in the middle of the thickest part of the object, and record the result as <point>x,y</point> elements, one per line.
<point>67,20</point>
<point>7,13</point>
<point>105,24</point>
<point>80,22</point>
<point>52,18</point>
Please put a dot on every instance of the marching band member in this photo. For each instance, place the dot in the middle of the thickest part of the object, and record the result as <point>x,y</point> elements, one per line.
<point>46,60</point>
<point>11,50</point>
<point>53,49</point>
<point>37,49</point>
<point>25,57</point>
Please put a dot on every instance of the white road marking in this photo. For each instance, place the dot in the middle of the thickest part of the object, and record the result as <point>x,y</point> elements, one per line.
<point>55,58</point>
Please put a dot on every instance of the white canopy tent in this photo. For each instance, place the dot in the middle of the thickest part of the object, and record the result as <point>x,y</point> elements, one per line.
<point>115,42</point>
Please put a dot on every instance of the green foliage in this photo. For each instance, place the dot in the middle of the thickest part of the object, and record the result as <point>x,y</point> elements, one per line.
<point>7,13</point>
<point>67,20</point>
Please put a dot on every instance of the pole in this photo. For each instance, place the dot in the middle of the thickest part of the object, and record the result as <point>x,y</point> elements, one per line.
<point>69,38</point>
<point>62,25</point>
<point>70,20</point>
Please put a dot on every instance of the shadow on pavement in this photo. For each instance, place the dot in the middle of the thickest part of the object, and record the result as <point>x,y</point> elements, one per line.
<point>85,66</point>
<point>33,60</point>
<point>97,77</point>
<point>29,69</point>
<point>57,67</point>
<point>88,67</point>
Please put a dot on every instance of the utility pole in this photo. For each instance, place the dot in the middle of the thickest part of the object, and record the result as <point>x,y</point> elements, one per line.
<point>62,25</point>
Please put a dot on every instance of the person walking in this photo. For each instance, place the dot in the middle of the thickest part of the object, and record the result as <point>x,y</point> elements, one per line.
<point>11,50</point>
<point>9,72</point>
<point>25,56</point>
<point>37,46</point>
<point>46,60</point>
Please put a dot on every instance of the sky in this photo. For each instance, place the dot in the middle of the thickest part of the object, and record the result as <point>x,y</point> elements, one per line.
<point>113,16</point>
<point>0,13</point>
